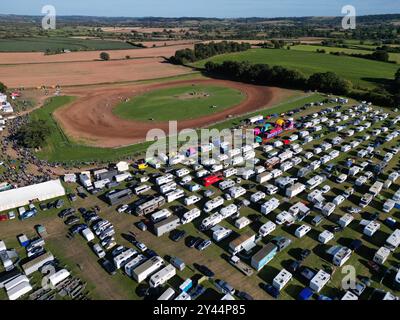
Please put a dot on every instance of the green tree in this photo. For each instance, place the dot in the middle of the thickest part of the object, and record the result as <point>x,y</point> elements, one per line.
<point>104,56</point>
<point>329,82</point>
<point>34,134</point>
<point>3,88</point>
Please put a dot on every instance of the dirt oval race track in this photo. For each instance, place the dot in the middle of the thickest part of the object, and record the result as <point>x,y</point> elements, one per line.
<point>90,119</point>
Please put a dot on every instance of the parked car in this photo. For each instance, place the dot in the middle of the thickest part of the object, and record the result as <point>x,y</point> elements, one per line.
<point>72,220</point>
<point>244,295</point>
<point>304,254</point>
<point>204,245</point>
<point>178,235</point>
<point>98,250</point>
<point>109,267</point>
<point>141,226</point>
<point>204,270</point>
<point>225,287</point>
<point>274,292</point>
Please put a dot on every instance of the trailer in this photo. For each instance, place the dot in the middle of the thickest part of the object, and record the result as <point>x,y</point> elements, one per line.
<point>213,204</point>
<point>211,221</point>
<point>393,241</point>
<point>143,271</point>
<point>229,172</point>
<point>121,259</point>
<point>168,187</point>
<point>371,228</point>
<point>241,266</point>
<point>164,179</point>
<point>36,263</point>
<point>160,215</point>
<point>381,255</point>
<point>319,280</point>
<point>219,233</point>
<point>167,295</point>
<point>162,276</point>
<point>282,279</point>
<point>236,192</point>
<point>229,211</point>
<point>142,189</point>
<point>376,188</point>
<point>175,195</point>
<point>58,277</point>
<point>242,223</point>
<point>226,184</point>
<point>189,216</point>
<point>264,177</point>
<point>270,206</point>
<point>150,206</point>
<point>132,264</point>
<point>191,200</point>
<point>295,190</point>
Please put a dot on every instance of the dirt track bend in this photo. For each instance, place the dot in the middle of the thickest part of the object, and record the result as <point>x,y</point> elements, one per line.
<point>90,117</point>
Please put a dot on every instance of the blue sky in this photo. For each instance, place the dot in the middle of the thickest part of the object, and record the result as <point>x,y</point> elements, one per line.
<point>201,8</point>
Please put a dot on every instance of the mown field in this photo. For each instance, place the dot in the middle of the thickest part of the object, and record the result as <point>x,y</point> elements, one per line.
<point>61,148</point>
<point>361,72</point>
<point>41,44</point>
<point>179,103</point>
<point>355,50</point>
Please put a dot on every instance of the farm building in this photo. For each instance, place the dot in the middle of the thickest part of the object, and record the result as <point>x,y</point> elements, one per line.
<point>23,196</point>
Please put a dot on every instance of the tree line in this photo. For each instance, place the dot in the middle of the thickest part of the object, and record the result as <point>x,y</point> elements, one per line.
<point>34,134</point>
<point>207,50</point>
<point>327,82</point>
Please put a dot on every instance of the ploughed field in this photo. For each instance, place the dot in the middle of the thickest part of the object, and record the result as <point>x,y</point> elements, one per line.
<point>179,103</point>
<point>361,72</point>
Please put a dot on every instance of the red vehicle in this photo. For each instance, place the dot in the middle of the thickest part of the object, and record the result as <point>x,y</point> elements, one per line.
<point>210,180</point>
<point>3,217</point>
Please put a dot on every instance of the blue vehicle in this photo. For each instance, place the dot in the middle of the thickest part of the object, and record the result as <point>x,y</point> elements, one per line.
<point>28,214</point>
<point>197,292</point>
<point>305,294</point>
<point>324,298</point>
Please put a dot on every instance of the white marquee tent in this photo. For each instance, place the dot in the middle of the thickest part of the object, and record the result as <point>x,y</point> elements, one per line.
<point>23,196</point>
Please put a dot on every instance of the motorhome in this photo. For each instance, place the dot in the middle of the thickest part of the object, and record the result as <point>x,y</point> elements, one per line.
<point>162,276</point>
<point>219,233</point>
<point>191,200</point>
<point>393,241</point>
<point>381,255</point>
<point>230,172</point>
<point>211,221</point>
<point>282,279</point>
<point>142,189</point>
<point>284,218</point>
<point>175,195</point>
<point>325,236</point>
<point>388,205</point>
<point>371,228</point>
<point>147,268</point>
<point>182,172</point>
<point>121,259</point>
<point>302,231</point>
<point>160,215</point>
<point>190,215</point>
<point>366,200</point>
<point>345,220</point>
<point>256,197</point>
<point>168,187</point>
<point>229,211</point>
<point>150,206</point>
<point>319,280</point>
<point>236,192</point>
<point>223,185</point>
<point>314,182</point>
<point>264,177</point>
<point>267,229</point>
<point>270,206</point>
<point>213,204</point>
<point>295,190</point>
<point>376,188</point>
<point>164,179</point>
<point>132,264</point>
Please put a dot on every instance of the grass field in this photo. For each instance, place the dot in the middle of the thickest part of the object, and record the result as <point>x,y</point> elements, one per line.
<point>355,50</point>
<point>41,44</point>
<point>179,103</point>
<point>64,150</point>
<point>361,72</point>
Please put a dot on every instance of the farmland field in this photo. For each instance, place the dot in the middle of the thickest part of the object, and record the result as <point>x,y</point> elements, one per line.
<point>179,103</point>
<point>361,72</point>
<point>41,44</point>
<point>355,50</point>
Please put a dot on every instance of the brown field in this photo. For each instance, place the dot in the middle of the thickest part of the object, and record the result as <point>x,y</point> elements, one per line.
<point>143,29</point>
<point>38,57</point>
<point>88,72</point>
<point>91,119</point>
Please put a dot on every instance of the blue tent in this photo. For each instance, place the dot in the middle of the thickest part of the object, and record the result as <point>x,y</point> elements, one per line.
<point>305,294</point>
